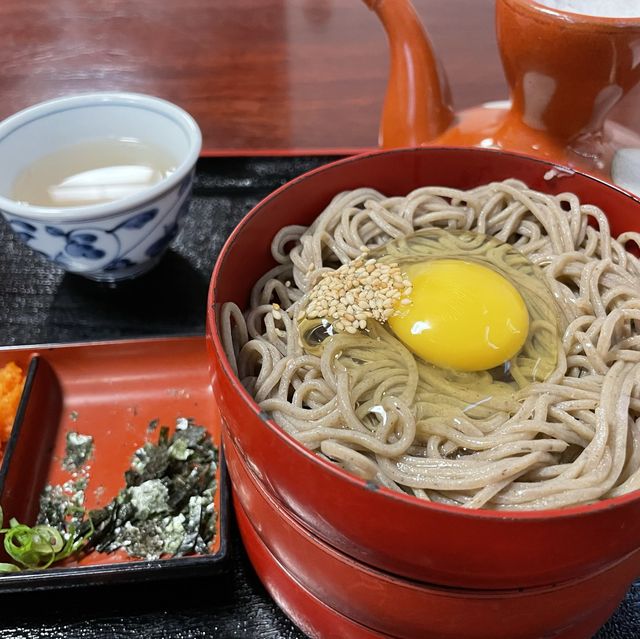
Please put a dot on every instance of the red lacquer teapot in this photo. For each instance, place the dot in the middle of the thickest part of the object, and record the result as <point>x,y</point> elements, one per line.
<point>565,70</point>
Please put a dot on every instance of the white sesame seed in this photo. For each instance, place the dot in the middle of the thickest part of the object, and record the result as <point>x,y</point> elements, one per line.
<point>355,292</point>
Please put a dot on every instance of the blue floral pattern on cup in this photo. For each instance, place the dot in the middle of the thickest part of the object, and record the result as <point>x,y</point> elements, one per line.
<point>24,230</point>
<point>116,247</point>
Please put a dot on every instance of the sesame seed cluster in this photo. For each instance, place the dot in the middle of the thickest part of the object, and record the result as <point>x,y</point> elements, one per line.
<point>356,292</point>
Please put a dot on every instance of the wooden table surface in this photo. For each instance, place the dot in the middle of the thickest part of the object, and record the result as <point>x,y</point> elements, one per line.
<point>256,74</point>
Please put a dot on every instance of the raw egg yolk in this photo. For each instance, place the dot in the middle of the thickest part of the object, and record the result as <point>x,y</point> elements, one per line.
<point>461,315</point>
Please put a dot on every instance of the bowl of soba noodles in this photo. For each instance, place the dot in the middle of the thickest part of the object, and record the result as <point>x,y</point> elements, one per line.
<point>430,359</point>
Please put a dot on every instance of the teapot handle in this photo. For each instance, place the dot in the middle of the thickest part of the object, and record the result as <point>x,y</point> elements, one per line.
<point>417,105</point>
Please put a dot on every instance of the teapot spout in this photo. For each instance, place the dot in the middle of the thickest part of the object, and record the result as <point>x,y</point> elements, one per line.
<point>417,105</point>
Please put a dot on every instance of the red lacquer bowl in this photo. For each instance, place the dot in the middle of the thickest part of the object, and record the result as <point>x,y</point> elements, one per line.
<point>398,533</point>
<point>406,609</point>
<point>313,616</point>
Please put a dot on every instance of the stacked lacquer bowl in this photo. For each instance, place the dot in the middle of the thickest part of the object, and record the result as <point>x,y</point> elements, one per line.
<point>347,558</point>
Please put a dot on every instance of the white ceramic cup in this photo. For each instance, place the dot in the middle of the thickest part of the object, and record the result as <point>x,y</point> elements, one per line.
<point>110,241</point>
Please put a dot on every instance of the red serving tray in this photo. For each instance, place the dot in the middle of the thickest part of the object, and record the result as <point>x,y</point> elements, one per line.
<point>112,391</point>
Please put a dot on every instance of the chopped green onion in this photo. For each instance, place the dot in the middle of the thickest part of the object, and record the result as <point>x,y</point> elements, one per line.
<point>8,568</point>
<point>38,546</point>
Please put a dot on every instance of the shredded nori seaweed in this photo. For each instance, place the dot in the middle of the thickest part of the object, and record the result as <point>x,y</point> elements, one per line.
<point>78,450</point>
<point>62,507</point>
<point>166,507</point>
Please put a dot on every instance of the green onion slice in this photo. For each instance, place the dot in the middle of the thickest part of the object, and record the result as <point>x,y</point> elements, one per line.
<point>39,546</point>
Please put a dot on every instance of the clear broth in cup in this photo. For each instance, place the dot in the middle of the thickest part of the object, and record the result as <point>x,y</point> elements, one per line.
<point>92,172</point>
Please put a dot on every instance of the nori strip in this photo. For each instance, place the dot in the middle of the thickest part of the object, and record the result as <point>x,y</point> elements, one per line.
<point>166,507</point>
<point>78,450</point>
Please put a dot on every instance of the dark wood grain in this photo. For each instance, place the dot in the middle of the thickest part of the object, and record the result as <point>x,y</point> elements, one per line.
<point>256,74</point>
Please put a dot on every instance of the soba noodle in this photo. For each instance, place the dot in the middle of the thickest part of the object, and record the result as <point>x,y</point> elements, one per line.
<point>458,438</point>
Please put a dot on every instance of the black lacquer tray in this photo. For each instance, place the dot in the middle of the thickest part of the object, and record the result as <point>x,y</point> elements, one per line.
<point>40,304</point>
